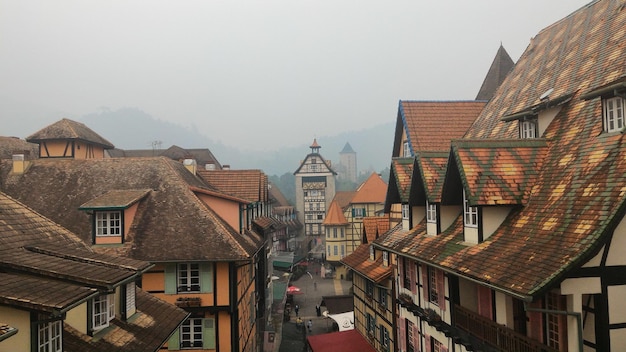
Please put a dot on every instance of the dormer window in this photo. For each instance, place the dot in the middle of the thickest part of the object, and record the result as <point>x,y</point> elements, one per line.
<point>385,258</point>
<point>102,311</point>
<point>108,223</point>
<point>372,255</point>
<point>431,212</point>
<point>613,114</point>
<point>470,218</point>
<point>405,212</point>
<point>528,128</point>
<point>406,149</point>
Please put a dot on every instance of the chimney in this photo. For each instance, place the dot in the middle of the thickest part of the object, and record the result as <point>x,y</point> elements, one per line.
<point>191,165</point>
<point>19,164</point>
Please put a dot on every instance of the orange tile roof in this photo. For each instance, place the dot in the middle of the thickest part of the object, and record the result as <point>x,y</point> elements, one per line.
<point>359,261</point>
<point>432,168</point>
<point>373,226</point>
<point>431,125</point>
<point>373,190</point>
<point>344,198</point>
<point>402,169</point>
<point>334,215</point>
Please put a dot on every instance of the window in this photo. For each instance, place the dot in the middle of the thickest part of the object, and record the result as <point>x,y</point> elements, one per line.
<point>384,338</point>
<point>342,233</point>
<point>405,212</point>
<point>191,333</point>
<point>358,212</point>
<point>343,252</point>
<point>528,128</point>
<point>189,277</point>
<point>405,273</point>
<point>385,258</point>
<point>406,149</point>
<point>471,213</point>
<point>410,337</point>
<point>335,250</point>
<point>431,212</point>
<point>437,346</point>
<point>328,251</point>
<point>103,311</point>
<point>50,336</point>
<point>369,288</point>
<point>371,324</point>
<point>555,302</point>
<point>130,299</point>
<point>372,254</point>
<point>334,232</point>
<point>320,216</point>
<point>382,296</point>
<point>433,296</point>
<point>108,223</point>
<point>613,114</point>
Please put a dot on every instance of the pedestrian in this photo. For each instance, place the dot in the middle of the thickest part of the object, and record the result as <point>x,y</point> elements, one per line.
<point>315,285</point>
<point>297,309</point>
<point>309,324</point>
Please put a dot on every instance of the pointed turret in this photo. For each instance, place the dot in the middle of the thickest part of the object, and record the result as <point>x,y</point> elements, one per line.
<point>500,67</point>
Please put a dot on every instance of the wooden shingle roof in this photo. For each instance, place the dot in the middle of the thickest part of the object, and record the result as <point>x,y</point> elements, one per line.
<point>246,184</point>
<point>171,222</point>
<point>13,145</point>
<point>67,129</point>
<point>577,197</point>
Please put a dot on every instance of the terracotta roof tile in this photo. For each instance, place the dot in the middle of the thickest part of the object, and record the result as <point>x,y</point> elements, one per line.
<point>372,190</point>
<point>334,215</point>
<point>432,168</point>
<point>344,198</point>
<point>247,184</point>
<point>374,226</point>
<point>359,261</point>
<point>69,129</point>
<point>402,169</point>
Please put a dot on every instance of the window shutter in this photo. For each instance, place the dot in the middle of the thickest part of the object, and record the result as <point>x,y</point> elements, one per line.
<point>484,302</point>
<point>401,334</point>
<point>401,262</point>
<point>353,212</point>
<point>208,333</point>
<point>174,342</point>
<point>170,278</point>
<point>412,276</point>
<point>427,343</point>
<point>206,277</point>
<point>444,348</point>
<point>441,290</point>
<point>416,336</point>
<point>535,320</point>
<point>425,282</point>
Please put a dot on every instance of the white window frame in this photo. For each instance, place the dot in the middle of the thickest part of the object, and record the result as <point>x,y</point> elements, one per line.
<point>103,311</point>
<point>335,250</point>
<point>384,337</point>
<point>385,258</point>
<point>406,149</point>
<point>372,253</point>
<point>108,223</point>
<point>193,328</point>
<point>470,213</point>
<point>131,292</point>
<point>188,276</point>
<point>359,212</point>
<point>50,336</point>
<point>613,114</point>
<point>528,128</point>
<point>431,212</point>
<point>405,212</point>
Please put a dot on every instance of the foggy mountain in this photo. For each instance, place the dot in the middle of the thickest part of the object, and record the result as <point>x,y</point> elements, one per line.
<point>131,128</point>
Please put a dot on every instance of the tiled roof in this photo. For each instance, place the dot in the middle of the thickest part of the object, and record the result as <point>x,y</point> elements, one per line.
<point>344,341</point>
<point>247,184</point>
<point>372,190</point>
<point>161,230</point>
<point>13,145</point>
<point>402,169</point>
<point>578,196</point>
<point>69,129</point>
<point>202,156</point>
<point>268,224</point>
<point>373,226</point>
<point>500,67</point>
<point>147,330</point>
<point>334,215</point>
<point>432,169</point>
<point>6,331</point>
<point>276,195</point>
<point>116,199</point>
<point>344,198</point>
<point>431,125</point>
<point>359,261</point>
<point>499,172</point>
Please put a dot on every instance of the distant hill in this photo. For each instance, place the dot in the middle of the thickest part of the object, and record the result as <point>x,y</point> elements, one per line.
<point>131,128</point>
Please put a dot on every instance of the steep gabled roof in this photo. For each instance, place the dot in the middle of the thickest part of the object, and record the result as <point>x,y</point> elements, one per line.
<point>203,156</point>
<point>373,226</point>
<point>334,215</point>
<point>347,149</point>
<point>401,177</point>
<point>432,170</point>
<point>502,64</point>
<point>374,270</point>
<point>247,184</point>
<point>498,172</point>
<point>344,198</point>
<point>372,190</point>
<point>170,224</point>
<point>67,129</point>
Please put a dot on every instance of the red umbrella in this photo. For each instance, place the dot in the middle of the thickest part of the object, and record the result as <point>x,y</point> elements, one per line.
<point>293,290</point>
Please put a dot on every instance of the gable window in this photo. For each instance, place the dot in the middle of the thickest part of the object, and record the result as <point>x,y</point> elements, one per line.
<point>406,149</point>
<point>613,113</point>
<point>189,277</point>
<point>50,336</point>
<point>431,212</point>
<point>470,218</point>
<point>528,128</point>
<point>405,212</point>
<point>103,311</point>
<point>433,295</point>
<point>108,223</point>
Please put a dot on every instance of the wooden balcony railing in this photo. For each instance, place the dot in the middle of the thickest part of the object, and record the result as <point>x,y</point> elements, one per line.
<point>495,334</point>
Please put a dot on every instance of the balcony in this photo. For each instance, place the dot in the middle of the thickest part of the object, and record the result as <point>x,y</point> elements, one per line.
<point>494,334</point>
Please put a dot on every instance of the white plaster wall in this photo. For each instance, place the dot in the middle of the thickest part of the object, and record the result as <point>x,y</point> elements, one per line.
<point>617,308</point>
<point>492,217</point>
<point>77,318</point>
<point>470,234</point>
<point>545,118</point>
<point>578,286</point>
<point>595,261</point>
<point>618,339</point>
<point>504,309</point>
<point>618,243</point>
<point>418,214</point>
<point>468,294</point>
<point>431,229</point>
<point>449,213</point>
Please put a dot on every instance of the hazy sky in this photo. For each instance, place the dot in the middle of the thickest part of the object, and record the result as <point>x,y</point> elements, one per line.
<point>256,74</point>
